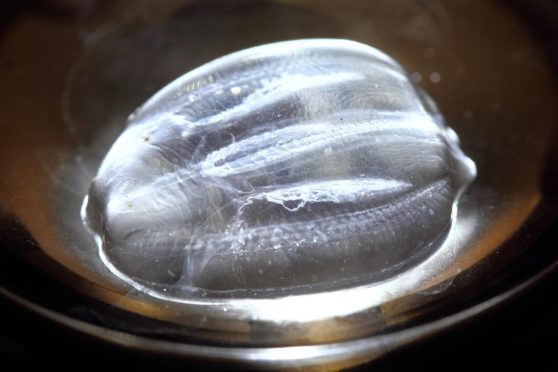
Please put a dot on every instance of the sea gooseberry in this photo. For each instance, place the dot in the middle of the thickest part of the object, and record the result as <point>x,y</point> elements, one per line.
<point>291,167</point>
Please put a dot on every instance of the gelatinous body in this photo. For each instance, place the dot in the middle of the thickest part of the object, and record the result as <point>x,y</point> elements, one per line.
<point>302,165</point>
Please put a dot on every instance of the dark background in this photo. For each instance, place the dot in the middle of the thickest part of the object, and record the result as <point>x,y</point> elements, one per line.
<point>518,336</point>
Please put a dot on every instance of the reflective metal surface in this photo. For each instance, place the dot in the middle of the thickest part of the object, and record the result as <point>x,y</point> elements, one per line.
<point>72,72</point>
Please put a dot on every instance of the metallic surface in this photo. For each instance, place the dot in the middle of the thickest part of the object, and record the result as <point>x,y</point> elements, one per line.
<point>72,72</point>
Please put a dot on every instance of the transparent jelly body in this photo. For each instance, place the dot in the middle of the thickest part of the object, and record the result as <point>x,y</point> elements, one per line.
<point>294,167</point>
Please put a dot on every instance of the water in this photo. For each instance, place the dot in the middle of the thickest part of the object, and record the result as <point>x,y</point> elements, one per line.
<point>305,165</point>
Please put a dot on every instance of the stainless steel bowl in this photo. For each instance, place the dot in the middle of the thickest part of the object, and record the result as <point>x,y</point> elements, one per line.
<point>72,72</point>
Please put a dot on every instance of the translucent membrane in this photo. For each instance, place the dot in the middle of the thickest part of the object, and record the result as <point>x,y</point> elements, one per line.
<point>292,167</point>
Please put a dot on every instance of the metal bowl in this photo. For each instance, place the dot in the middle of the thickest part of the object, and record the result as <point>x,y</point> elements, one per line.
<point>73,71</point>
